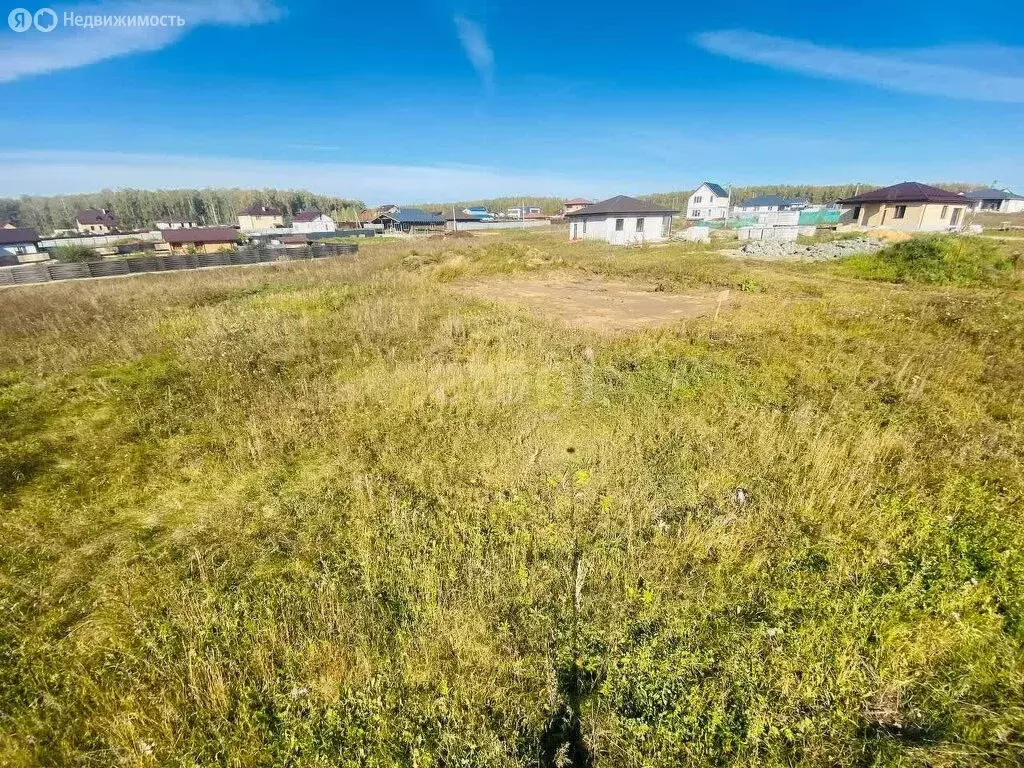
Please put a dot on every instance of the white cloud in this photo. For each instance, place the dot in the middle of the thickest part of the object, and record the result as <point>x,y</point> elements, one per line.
<point>479,53</point>
<point>68,47</point>
<point>932,71</point>
<point>50,173</point>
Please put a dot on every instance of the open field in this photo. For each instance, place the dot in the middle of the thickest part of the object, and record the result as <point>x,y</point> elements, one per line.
<point>996,220</point>
<point>373,513</point>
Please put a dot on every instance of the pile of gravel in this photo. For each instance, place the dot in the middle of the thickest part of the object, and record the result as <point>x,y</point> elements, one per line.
<point>779,250</point>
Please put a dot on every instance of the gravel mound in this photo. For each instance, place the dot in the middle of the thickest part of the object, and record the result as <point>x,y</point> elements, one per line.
<point>778,250</point>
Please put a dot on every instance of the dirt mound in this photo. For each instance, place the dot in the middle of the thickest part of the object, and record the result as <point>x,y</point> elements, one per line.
<point>600,305</point>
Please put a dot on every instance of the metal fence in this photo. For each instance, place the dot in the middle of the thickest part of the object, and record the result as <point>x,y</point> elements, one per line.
<point>44,273</point>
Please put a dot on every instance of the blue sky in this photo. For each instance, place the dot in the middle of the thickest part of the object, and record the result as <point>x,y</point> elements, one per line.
<point>441,100</point>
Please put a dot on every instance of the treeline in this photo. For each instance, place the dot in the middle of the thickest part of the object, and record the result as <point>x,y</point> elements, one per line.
<point>140,208</point>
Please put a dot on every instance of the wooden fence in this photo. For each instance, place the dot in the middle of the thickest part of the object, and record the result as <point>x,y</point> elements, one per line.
<point>43,273</point>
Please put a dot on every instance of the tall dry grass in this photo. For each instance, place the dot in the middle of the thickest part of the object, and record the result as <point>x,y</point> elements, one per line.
<point>339,514</point>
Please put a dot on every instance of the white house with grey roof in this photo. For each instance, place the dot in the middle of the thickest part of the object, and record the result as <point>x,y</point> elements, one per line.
<point>621,220</point>
<point>995,201</point>
<point>709,202</point>
<point>770,204</point>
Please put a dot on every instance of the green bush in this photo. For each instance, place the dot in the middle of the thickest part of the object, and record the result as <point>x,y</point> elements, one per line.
<point>937,259</point>
<point>73,253</point>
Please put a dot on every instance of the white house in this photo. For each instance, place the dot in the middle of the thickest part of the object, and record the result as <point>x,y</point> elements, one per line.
<point>621,220</point>
<point>995,201</point>
<point>20,245</point>
<point>769,204</point>
<point>708,202</point>
<point>312,221</point>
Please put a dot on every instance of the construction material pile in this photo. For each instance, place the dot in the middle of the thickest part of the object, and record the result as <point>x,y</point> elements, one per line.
<point>779,250</point>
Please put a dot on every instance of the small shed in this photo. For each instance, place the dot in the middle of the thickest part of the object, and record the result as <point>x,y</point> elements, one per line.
<point>621,220</point>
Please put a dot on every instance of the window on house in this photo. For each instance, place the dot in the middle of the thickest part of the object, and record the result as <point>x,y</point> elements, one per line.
<point>945,212</point>
<point>901,212</point>
<point>618,224</point>
<point>696,214</point>
<point>639,225</point>
<point>856,213</point>
<point>698,199</point>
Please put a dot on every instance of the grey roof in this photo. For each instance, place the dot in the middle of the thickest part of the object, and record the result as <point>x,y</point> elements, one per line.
<point>906,192</point>
<point>621,204</point>
<point>718,191</point>
<point>992,194</point>
<point>412,216</point>
<point>768,200</point>
<point>19,235</point>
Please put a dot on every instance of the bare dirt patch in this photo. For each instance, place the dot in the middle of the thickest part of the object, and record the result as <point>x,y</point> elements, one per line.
<point>601,305</point>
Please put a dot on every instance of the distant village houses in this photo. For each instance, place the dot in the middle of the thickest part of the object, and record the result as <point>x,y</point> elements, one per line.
<point>709,202</point>
<point>622,220</point>
<point>259,216</point>
<point>96,221</point>
<point>909,206</point>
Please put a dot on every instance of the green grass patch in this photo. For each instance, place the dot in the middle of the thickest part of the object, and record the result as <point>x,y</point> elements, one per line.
<point>936,259</point>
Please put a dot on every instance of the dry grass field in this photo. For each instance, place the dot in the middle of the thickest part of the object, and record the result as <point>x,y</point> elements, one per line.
<point>379,513</point>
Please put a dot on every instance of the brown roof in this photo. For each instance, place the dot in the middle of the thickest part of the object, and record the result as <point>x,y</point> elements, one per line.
<point>307,216</point>
<point>200,235</point>
<point>368,215</point>
<point>20,235</point>
<point>259,209</point>
<point>621,204</point>
<point>96,216</point>
<point>907,192</point>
